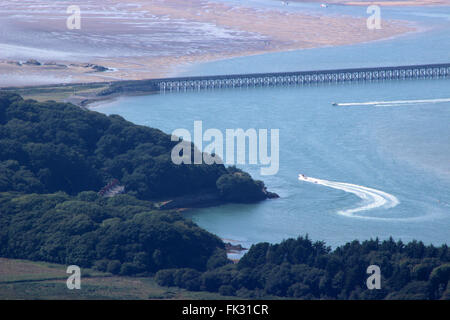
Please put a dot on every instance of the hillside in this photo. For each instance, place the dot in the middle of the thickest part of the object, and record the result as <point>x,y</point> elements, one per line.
<point>47,147</point>
<point>55,157</point>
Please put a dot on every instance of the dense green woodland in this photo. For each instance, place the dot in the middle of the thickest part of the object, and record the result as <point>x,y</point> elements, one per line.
<point>54,157</point>
<point>302,269</point>
<point>121,235</point>
<point>49,147</point>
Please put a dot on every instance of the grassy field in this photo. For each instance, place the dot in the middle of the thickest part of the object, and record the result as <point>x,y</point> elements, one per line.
<point>60,93</point>
<point>22,279</point>
<point>82,94</point>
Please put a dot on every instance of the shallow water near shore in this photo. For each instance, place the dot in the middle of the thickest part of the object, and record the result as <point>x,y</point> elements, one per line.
<point>361,154</point>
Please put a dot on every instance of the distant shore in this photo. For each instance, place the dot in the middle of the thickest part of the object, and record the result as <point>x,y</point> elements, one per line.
<point>154,39</point>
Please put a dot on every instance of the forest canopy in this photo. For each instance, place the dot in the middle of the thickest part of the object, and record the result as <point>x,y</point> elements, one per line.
<point>49,147</point>
<point>121,235</point>
<point>303,269</point>
<point>55,157</point>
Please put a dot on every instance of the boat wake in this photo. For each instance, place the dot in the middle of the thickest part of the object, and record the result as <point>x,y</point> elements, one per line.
<point>393,103</point>
<point>372,198</point>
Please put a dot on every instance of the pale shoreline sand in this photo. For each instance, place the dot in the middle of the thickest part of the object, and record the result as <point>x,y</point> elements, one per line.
<point>154,39</point>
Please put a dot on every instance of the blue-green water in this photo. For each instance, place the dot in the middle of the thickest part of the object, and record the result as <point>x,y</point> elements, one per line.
<point>402,150</point>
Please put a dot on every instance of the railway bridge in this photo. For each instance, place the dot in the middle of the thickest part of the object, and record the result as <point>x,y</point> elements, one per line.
<point>425,71</point>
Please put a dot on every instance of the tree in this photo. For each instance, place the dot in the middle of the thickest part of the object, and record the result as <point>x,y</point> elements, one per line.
<point>240,187</point>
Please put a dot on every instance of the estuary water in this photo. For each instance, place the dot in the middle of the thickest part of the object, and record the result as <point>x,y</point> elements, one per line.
<point>375,165</point>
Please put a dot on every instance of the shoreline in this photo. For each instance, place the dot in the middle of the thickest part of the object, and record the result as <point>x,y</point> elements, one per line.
<point>93,100</point>
<point>416,29</point>
<point>159,38</point>
<point>189,62</point>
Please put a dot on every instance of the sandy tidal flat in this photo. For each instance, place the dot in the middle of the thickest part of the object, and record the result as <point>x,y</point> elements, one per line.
<point>137,39</point>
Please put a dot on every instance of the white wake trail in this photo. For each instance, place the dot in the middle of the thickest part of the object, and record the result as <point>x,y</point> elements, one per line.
<point>392,103</point>
<point>372,198</point>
